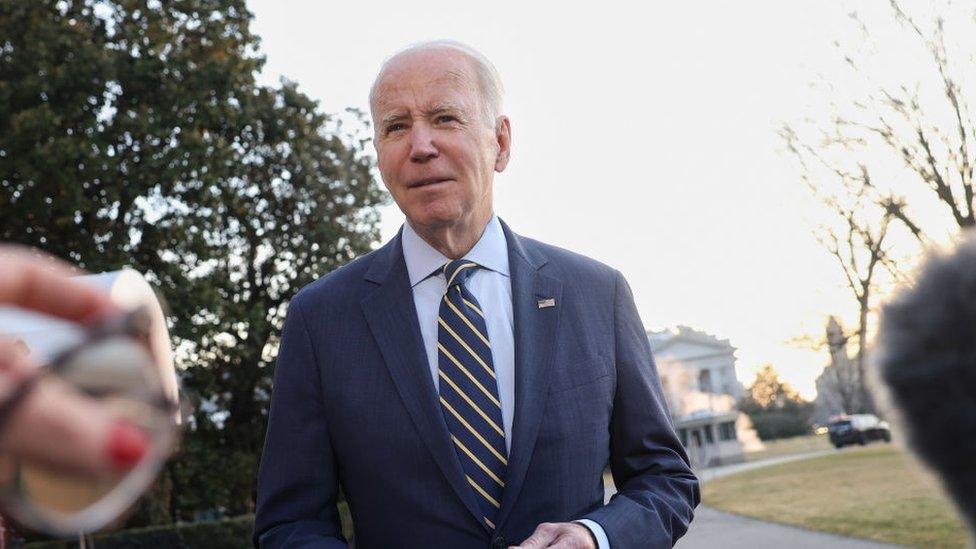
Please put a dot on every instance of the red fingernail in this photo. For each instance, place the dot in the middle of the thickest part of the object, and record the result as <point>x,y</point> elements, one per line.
<point>126,444</point>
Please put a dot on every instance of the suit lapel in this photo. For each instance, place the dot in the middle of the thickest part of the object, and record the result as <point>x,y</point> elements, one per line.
<point>535,338</point>
<point>392,318</point>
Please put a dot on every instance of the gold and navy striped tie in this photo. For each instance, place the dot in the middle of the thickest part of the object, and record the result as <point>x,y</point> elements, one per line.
<point>468,390</point>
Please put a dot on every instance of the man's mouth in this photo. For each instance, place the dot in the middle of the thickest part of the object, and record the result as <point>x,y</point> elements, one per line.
<point>427,181</point>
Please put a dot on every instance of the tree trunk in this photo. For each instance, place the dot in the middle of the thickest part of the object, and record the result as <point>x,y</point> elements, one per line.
<point>866,400</point>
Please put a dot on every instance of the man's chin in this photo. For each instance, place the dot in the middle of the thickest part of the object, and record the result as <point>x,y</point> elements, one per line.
<point>428,225</point>
<point>436,218</point>
<point>448,215</point>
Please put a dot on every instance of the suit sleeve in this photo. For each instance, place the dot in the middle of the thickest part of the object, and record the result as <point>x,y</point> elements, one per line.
<point>656,490</point>
<point>297,484</point>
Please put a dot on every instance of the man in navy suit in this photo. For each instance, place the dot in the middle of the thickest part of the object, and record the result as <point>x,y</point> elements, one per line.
<point>465,386</point>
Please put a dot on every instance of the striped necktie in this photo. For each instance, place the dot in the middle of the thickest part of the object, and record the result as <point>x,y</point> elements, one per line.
<point>468,390</point>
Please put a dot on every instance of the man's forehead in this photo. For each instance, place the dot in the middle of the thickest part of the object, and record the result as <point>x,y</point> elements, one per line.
<point>390,84</point>
<point>419,77</point>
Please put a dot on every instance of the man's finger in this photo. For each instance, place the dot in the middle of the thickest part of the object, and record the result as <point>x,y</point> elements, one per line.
<point>44,284</point>
<point>544,534</point>
<point>563,542</point>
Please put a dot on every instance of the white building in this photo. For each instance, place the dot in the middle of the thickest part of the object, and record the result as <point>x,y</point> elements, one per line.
<point>697,373</point>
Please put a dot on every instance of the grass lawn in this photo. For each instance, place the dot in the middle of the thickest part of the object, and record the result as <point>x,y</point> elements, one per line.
<point>790,446</point>
<point>878,492</point>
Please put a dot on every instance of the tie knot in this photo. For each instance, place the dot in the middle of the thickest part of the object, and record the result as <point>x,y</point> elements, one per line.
<point>457,272</point>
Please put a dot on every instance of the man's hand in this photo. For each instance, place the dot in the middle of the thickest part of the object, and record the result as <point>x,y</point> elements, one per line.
<point>561,535</point>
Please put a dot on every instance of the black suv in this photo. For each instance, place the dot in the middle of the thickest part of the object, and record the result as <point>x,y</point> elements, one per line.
<point>857,429</point>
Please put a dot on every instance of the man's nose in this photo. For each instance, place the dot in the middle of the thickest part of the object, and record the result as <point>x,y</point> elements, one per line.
<point>422,146</point>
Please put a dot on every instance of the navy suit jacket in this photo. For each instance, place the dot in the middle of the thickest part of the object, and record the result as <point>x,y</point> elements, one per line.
<point>354,405</point>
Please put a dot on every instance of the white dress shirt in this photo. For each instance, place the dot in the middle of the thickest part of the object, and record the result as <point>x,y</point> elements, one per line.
<point>492,287</point>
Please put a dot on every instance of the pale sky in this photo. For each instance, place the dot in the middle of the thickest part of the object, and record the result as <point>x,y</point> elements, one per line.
<point>644,136</point>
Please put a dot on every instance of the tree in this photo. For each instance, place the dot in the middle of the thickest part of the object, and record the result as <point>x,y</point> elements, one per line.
<point>134,133</point>
<point>894,159</point>
<point>775,409</point>
<point>917,121</point>
<point>940,160</point>
<point>857,241</point>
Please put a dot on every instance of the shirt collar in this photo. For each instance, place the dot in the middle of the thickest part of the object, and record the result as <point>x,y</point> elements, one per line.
<point>491,252</point>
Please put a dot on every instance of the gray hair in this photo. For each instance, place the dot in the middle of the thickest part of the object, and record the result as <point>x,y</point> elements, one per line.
<point>489,83</point>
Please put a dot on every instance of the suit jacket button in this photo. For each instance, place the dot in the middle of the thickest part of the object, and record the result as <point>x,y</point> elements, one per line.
<point>499,543</point>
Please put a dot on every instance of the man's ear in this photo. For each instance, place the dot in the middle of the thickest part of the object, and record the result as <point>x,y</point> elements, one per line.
<point>503,136</point>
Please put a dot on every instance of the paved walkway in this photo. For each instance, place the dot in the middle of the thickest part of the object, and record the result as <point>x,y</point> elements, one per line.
<point>714,529</point>
<point>712,473</point>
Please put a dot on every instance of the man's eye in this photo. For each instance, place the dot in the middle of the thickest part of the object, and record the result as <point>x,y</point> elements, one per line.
<point>395,127</point>
<point>446,119</point>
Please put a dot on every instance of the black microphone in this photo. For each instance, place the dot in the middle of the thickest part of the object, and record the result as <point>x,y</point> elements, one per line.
<point>926,355</point>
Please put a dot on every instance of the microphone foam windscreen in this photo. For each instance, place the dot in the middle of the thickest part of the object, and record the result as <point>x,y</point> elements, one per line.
<point>926,355</point>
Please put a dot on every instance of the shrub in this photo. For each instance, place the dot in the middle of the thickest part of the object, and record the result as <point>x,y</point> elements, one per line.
<point>232,533</point>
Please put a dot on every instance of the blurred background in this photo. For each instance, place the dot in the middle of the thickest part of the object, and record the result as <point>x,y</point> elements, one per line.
<point>765,174</point>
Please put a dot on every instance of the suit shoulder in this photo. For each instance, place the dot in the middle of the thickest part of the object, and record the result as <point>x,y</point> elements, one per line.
<point>571,263</point>
<point>338,285</point>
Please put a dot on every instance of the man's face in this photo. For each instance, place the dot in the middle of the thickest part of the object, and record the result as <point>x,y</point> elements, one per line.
<point>437,152</point>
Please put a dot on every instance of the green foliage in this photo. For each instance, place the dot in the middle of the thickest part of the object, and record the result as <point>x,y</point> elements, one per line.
<point>221,534</point>
<point>232,533</point>
<point>133,133</point>
<point>774,424</point>
<point>776,410</point>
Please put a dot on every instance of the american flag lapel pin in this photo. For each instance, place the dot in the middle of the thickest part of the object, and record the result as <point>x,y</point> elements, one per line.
<point>548,302</point>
